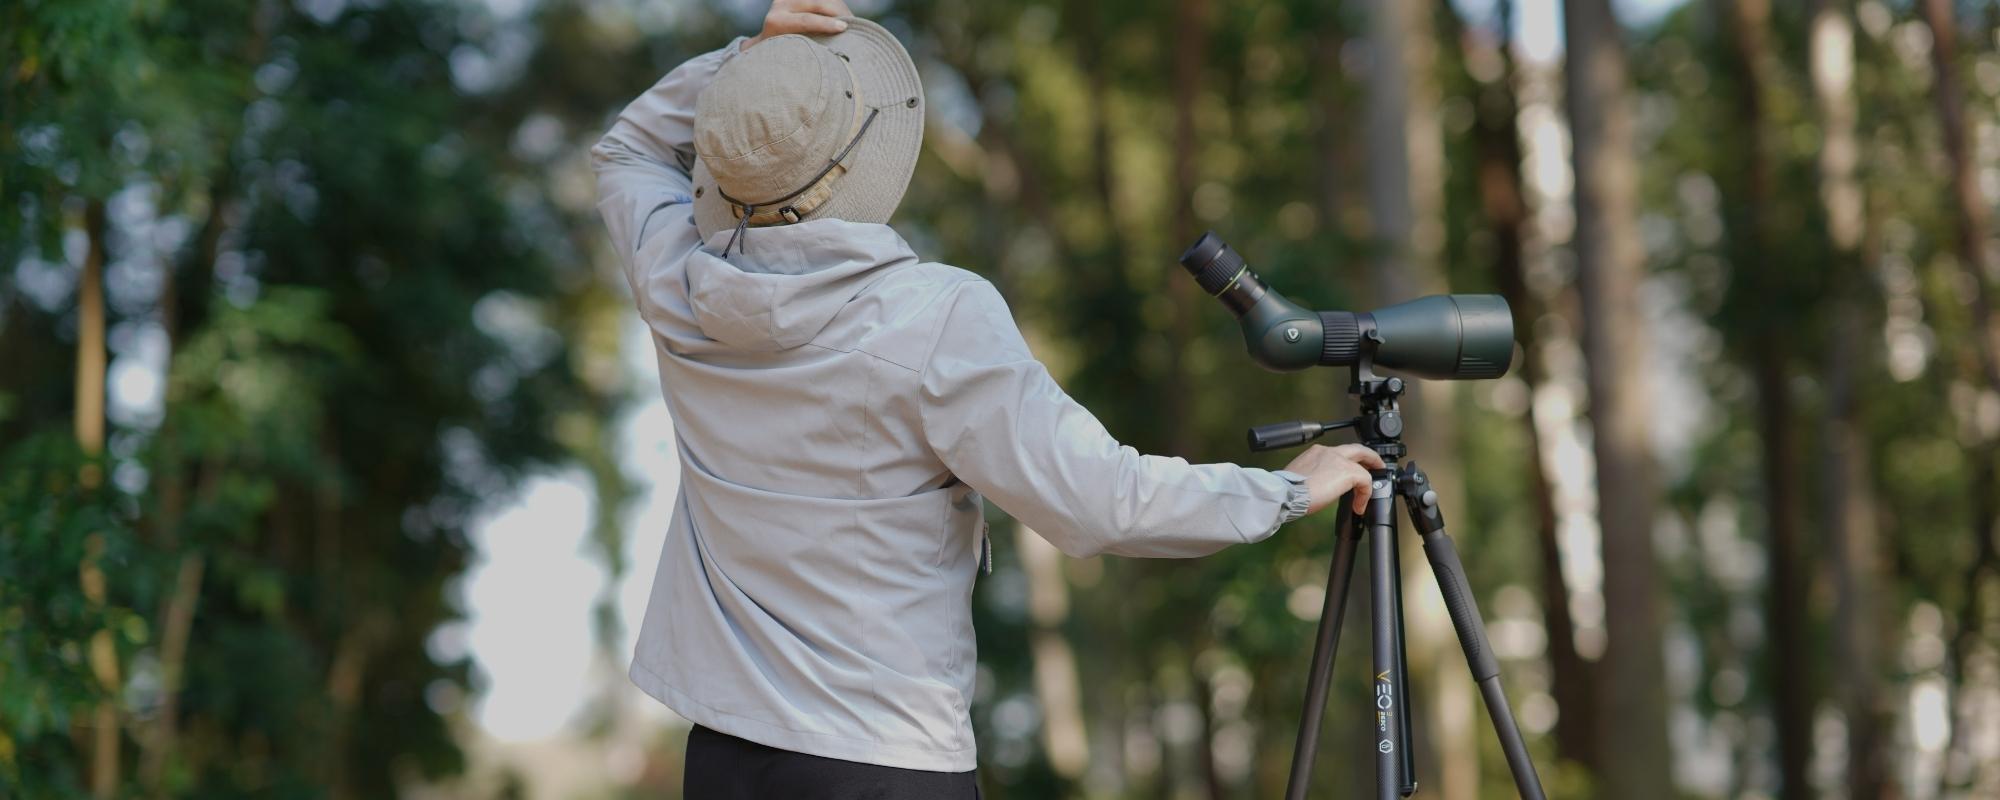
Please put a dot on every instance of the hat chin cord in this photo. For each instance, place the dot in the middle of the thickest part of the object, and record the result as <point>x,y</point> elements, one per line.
<point>816,192</point>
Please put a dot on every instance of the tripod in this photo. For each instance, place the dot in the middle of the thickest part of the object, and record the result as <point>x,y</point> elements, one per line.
<point>1380,427</point>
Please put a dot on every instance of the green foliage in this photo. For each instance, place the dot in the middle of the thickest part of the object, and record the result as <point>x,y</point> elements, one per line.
<point>361,233</point>
<point>48,517</point>
<point>333,412</point>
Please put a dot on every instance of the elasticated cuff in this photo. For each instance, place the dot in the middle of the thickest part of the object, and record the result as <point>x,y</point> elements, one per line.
<point>1299,500</point>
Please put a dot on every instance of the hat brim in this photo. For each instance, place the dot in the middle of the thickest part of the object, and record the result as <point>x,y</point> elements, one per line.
<point>879,169</point>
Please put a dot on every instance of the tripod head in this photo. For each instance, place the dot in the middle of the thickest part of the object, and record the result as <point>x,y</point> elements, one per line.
<point>1379,426</point>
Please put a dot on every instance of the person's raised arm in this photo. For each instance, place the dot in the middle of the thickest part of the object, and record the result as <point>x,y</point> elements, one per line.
<point>645,161</point>
<point>999,422</point>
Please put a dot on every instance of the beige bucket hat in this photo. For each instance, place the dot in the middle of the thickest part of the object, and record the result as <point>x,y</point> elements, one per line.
<point>808,127</point>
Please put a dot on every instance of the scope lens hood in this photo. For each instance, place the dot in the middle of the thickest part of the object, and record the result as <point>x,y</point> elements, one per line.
<point>1446,337</point>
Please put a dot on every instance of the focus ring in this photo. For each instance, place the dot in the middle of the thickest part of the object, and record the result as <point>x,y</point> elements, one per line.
<point>1340,344</point>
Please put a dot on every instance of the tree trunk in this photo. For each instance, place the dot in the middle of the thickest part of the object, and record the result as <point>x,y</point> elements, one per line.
<point>1970,630</point>
<point>1341,155</point>
<point>1330,122</point>
<point>1610,267</point>
<point>90,366</point>
<point>1789,673</point>
<point>1969,211</point>
<point>187,286</point>
<point>1103,176</point>
<point>1864,644</point>
<point>1056,684</point>
<point>1405,152</point>
<point>1189,57</point>
<point>1204,703</point>
<point>346,684</point>
<point>90,354</point>
<point>1504,205</point>
<point>1968,208</point>
<point>176,624</point>
<point>1862,640</point>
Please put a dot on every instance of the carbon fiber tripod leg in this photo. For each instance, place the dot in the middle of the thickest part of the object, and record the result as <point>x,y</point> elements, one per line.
<point>1422,503</point>
<point>1306,746</point>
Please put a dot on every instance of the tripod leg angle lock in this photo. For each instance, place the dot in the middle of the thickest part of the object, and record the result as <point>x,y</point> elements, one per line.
<point>1380,426</point>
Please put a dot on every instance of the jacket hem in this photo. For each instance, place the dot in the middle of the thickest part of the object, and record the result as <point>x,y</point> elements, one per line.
<point>815,744</point>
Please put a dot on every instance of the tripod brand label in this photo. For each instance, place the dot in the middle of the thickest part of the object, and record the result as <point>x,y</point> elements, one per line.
<point>1385,699</point>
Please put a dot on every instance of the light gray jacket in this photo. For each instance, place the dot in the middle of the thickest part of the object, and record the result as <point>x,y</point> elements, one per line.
<point>840,408</point>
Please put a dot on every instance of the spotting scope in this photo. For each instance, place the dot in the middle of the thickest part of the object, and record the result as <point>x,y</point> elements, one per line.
<point>1444,336</point>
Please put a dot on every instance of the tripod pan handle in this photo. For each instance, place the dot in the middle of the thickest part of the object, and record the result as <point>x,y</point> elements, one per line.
<point>1284,434</point>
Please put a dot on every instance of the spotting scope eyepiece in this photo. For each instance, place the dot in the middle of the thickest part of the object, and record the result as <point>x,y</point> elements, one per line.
<point>1444,337</point>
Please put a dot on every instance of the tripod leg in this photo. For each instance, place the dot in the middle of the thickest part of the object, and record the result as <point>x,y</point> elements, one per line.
<point>1408,785</point>
<point>1306,746</point>
<point>1422,504</point>
<point>1386,609</point>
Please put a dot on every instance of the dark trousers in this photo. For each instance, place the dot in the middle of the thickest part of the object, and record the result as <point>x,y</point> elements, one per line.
<point>723,767</point>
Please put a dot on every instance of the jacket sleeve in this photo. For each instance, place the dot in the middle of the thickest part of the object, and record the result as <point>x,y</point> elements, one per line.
<point>999,422</point>
<point>644,165</point>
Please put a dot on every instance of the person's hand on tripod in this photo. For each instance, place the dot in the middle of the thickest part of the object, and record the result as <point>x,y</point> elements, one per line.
<point>1333,471</point>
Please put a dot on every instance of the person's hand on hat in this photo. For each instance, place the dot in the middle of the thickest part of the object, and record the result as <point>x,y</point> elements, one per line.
<point>801,16</point>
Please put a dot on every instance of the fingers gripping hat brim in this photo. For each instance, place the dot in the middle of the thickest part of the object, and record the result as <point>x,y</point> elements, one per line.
<point>878,171</point>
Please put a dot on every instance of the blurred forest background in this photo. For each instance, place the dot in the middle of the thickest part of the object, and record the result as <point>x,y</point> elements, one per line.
<point>295,295</point>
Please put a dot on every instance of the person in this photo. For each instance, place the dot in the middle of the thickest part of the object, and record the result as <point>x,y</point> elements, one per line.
<point>841,407</point>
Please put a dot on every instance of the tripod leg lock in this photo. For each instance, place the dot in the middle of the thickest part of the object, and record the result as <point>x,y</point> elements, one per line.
<point>1422,502</point>
<point>1420,499</point>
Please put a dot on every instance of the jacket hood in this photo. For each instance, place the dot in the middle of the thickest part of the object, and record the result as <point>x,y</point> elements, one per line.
<point>786,283</point>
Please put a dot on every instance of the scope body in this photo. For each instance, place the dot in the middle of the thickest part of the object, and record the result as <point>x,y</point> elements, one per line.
<point>1445,337</point>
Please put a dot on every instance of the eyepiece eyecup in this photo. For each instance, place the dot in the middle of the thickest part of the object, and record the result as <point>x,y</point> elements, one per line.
<point>1213,263</point>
